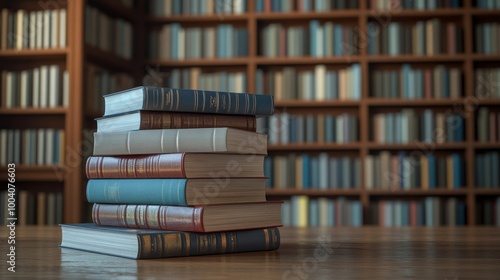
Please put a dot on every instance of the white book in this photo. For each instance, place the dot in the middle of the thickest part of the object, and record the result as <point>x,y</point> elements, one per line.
<point>54,89</point>
<point>24,89</point>
<point>40,147</point>
<point>44,85</point>
<point>36,87</point>
<point>65,89</point>
<point>39,29</point>
<point>62,28</point>
<point>32,29</point>
<point>46,29</point>
<point>49,146</point>
<point>19,29</point>
<point>9,89</point>
<point>54,28</point>
<point>320,82</point>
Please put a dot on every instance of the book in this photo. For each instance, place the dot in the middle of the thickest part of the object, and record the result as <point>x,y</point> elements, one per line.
<point>203,218</point>
<point>143,120</point>
<point>187,100</point>
<point>175,165</point>
<point>177,192</point>
<point>148,244</point>
<point>161,141</point>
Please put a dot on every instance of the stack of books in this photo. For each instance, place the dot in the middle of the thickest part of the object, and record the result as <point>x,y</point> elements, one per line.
<point>178,173</point>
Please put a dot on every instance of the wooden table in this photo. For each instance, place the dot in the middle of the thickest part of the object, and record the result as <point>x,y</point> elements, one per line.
<point>309,253</point>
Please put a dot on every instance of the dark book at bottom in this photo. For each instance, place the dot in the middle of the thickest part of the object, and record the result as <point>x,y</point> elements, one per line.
<point>148,244</point>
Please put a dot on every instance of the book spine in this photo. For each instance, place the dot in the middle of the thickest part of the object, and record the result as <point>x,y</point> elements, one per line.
<point>160,217</point>
<point>137,191</point>
<point>154,166</point>
<point>200,101</point>
<point>163,245</point>
<point>161,120</point>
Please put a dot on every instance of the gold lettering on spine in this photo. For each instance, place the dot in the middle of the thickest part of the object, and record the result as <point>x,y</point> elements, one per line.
<point>266,236</point>
<point>129,216</point>
<point>187,247</point>
<point>156,98</point>
<point>229,103</point>
<point>172,244</point>
<point>254,103</point>
<point>204,101</point>
<point>130,167</point>
<point>151,217</point>
<point>140,169</point>
<point>223,242</point>
<point>166,121</point>
<point>236,104</point>
<point>203,243</point>
<point>232,242</point>
<point>146,98</point>
<point>178,100</point>
<point>146,245</point>
<point>195,97</point>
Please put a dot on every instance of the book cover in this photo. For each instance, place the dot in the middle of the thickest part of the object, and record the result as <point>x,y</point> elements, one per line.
<point>208,140</point>
<point>178,192</point>
<point>146,244</point>
<point>204,218</point>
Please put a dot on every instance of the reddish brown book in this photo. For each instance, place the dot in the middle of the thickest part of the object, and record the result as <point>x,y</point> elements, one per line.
<point>176,165</point>
<point>143,120</point>
<point>207,218</point>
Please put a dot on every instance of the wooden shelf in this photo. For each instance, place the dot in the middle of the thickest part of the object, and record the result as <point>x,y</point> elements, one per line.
<point>484,12</point>
<point>388,102</point>
<point>33,111</point>
<point>487,101</point>
<point>315,103</point>
<point>237,61</point>
<point>417,146</point>
<point>34,54</point>
<point>418,192</point>
<point>484,191</point>
<point>486,145</point>
<point>313,192</point>
<point>108,60</point>
<point>283,60</point>
<point>36,173</point>
<point>314,147</point>
<point>485,57</point>
<point>413,13</point>
<point>416,58</point>
<point>198,19</point>
<point>297,15</point>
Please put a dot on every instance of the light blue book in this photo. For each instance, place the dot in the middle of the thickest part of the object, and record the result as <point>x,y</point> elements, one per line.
<point>333,179</point>
<point>394,38</point>
<point>457,171</point>
<point>259,81</point>
<point>356,81</point>
<point>431,4</point>
<point>429,211</point>
<point>174,37</point>
<point>323,169</point>
<point>337,39</point>
<point>389,127</point>
<point>313,35</point>
<point>286,213</point>
<point>388,213</point>
<point>313,213</point>
<point>259,6</point>
<point>487,38</point>
<point>428,125</point>
<point>398,213</point>
<point>276,6</point>
<point>314,172</point>
<point>400,128</point>
<point>432,171</point>
<point>294,205</point>
<point>221,40</point>
<point>306,171</point>
<point>329,129</point>
<point>406,70</point>
<point>332,211</point>
<point>306,5</point>
<point>310,128</point>
<point>340,173</point>
<point>356,213</point>
<point>346,173</point>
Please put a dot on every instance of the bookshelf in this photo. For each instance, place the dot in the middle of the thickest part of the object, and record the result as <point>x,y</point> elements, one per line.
<point>249,72</point>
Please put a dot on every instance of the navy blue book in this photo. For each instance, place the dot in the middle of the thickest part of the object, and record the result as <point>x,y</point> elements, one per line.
<point>187,100</point>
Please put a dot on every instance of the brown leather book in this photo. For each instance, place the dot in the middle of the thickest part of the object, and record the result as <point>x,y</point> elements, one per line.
<point>176,165</point>
<point>206,218</point>
<point>142,120</point>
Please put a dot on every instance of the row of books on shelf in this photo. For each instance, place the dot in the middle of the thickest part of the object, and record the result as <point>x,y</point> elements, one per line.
<point>32,146</point>
<point>408,125</point>
<point>33,208</point>
<point>195,77</point>
<point>285,128</point>
<point>414,5</point>
<point>22,29</point>
<point>488,125</point>
<point>487,165</point>
<point>417,83</point>
<point>195,7</point>
<point>266,6</point>
<point>100,81</point>
<point>487,4</point>
<point>429,37</point>
<point>320,83</point>
<point>303,211</point>
<point>487,83</point>
<point>488,212</point>
<point>45,86</point>
<point>114,35</point>
<point>487,38</point>
<point>176,42</point>
<point>411,170</point>
<point>309,171</point>
<point>428,211</point>
<point>318,39</point>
